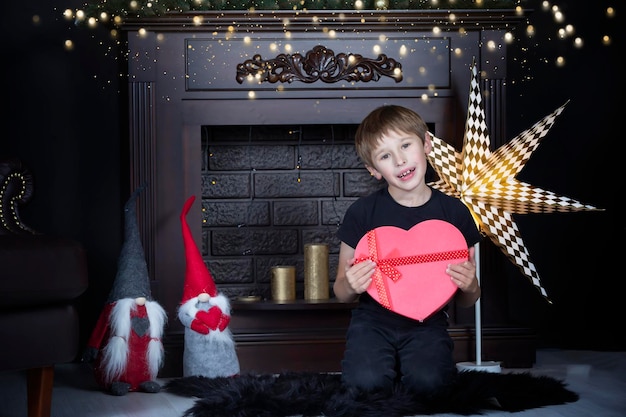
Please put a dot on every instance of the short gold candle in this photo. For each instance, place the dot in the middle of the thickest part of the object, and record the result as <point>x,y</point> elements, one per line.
<point>283,283</point>
<point>316,271</point>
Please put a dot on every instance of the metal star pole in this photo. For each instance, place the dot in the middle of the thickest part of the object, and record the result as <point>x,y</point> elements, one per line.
<point>486,183</point>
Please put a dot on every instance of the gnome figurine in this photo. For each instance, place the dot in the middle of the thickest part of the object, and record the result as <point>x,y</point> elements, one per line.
<point>125,346</point>
<point>205,313</point>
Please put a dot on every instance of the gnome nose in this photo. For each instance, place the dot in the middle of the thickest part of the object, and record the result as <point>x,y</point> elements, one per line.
<point>204,297</point>
<point>140,301</point>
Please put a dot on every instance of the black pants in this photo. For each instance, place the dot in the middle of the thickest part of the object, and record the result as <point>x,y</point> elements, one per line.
<point>378,355</point>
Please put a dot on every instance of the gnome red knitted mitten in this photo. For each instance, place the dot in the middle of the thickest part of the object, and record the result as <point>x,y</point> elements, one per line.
<point>211,318</point>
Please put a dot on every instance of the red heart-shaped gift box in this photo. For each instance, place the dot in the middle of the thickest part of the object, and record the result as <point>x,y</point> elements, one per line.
<point>410,277</point>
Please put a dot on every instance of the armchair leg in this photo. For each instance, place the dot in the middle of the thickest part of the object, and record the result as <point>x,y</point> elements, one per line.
<point>40,382</point>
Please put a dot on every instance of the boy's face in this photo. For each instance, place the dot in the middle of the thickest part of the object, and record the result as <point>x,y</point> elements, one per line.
<point>400,158</point>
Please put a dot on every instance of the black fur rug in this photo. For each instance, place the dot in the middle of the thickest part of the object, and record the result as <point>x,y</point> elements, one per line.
<point>312,394</point>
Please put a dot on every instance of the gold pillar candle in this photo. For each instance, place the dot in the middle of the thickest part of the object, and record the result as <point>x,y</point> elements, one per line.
<point>283,283</point>
<point>316,271</point>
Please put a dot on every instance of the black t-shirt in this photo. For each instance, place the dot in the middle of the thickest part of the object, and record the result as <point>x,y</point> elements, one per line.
<point>380,209</point>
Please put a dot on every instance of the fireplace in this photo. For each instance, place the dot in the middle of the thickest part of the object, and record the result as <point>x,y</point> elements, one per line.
<point>255,112</point>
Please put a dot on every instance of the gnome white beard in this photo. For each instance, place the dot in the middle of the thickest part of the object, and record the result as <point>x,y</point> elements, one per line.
<point>157,317</point>
<point>222,302</point>
<point>190,309</point>
<point>116,351</point>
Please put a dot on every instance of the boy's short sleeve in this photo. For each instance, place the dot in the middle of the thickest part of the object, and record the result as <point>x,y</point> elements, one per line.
<point>349,231</point>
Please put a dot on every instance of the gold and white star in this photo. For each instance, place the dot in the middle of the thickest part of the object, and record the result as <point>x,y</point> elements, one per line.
<point>486,182</point>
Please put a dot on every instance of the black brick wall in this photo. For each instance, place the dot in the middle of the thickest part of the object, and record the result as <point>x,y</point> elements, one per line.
<point>269,190</point>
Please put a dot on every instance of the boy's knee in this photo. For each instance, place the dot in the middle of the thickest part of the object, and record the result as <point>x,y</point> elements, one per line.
<point>428,383</point>
<point>368,381</point>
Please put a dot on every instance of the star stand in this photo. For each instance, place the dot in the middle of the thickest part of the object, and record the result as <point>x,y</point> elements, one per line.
<point>479,365</point>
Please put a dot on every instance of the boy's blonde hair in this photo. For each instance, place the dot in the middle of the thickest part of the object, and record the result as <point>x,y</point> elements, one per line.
<point>383,120</point>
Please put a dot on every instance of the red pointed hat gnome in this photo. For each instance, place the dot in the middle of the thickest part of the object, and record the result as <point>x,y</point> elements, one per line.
<point>205,313</point>
<point>126,345</point>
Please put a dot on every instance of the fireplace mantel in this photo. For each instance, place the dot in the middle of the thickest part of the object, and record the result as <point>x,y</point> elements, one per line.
<point>255,22</point>
<point>183,76</point>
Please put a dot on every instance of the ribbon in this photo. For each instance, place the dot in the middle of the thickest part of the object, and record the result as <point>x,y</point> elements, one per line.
<point>388,266</point>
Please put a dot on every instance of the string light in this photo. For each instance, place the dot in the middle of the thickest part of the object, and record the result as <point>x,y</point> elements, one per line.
<point>9,217</point>
<point>102,12</point>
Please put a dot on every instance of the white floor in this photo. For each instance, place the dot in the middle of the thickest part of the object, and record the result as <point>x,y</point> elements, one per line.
<point>598,377</point>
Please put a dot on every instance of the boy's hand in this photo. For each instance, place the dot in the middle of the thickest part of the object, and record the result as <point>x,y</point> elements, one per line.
<point>359,275</point>
<point>464,274</point>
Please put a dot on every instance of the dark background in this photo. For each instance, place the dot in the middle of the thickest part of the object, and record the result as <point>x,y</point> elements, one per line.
<point>64,117</point>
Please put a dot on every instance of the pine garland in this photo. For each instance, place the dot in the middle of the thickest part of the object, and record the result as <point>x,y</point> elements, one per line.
<point>122,9</point>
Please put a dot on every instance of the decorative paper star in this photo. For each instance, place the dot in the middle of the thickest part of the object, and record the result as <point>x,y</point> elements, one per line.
<point>486,181</point>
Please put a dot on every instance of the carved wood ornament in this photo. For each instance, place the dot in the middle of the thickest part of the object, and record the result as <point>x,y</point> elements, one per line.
<point>320,63</point>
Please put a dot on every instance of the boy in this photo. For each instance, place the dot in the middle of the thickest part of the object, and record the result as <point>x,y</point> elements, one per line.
<point>383,347</point>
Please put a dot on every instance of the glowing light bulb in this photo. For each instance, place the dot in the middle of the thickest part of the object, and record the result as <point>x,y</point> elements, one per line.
<point>578,42</point>
<point>558,17</point>
<point>381,4</point>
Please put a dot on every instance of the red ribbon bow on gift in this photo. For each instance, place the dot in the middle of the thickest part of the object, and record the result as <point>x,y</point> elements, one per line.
<point>388,266</point>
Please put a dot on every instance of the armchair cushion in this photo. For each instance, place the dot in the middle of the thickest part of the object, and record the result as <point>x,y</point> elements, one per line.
<point>34,338</point>
<point>39,270</point>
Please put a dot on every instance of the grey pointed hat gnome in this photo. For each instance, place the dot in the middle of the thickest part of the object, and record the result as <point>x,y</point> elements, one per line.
<point>126,343</point>
<point>132,279</point>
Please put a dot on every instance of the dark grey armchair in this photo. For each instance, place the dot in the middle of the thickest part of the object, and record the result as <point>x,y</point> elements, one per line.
<point>41,277</point>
